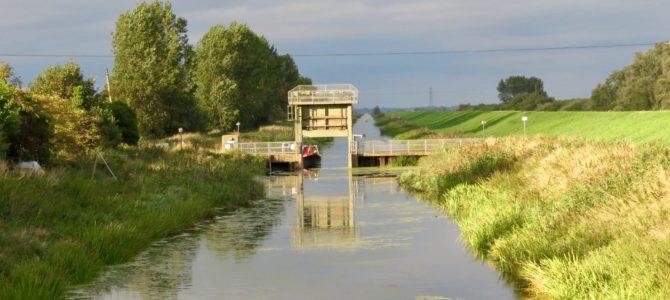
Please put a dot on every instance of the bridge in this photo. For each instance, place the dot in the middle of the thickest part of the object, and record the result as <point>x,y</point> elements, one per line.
<point>326,110</point>
<point>364,152</point>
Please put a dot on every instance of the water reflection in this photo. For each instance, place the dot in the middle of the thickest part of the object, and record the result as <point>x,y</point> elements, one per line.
<point>321,234</point>
<point>325,221</point>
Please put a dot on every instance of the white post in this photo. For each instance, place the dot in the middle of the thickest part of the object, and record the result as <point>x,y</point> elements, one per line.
<point>524,119</point>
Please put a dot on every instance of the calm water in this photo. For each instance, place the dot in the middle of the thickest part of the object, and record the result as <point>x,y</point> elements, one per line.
<point>327,234</point>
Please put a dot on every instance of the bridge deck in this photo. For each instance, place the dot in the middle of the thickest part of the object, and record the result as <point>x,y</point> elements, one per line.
<point>406,147</point>
<point>288,152</point>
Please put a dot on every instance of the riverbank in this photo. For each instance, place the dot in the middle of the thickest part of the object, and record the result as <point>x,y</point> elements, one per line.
<point>62,228</point>
<point>564,218</point>
<point>636,127</point>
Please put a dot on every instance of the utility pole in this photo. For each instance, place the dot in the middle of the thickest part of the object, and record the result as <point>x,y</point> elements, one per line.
<point>109,88</point>
<point>430,97</point>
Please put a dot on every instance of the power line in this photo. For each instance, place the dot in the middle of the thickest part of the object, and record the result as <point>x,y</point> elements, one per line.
<point>500,50</point>
<point>436,52</point>
<point>56,55</point>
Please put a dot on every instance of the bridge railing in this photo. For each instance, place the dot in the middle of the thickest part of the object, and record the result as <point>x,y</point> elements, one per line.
<point>408,146</point>
<point>269,147</point>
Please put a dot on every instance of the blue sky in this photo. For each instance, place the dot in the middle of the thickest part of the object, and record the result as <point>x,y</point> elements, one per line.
<point>305,27</point>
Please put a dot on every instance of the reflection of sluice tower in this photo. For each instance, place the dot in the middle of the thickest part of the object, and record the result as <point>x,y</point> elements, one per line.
<point>325,221</point>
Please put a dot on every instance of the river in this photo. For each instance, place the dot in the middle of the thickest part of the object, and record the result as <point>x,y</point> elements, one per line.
<point>329,233</point>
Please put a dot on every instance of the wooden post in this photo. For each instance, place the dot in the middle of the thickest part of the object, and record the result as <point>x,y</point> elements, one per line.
<point>109,87</point>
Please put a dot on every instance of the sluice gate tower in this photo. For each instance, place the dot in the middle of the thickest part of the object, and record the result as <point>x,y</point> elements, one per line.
<point>323,111</point>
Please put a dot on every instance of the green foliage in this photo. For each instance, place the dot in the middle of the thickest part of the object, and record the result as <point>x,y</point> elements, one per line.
<point>643,85</point>
<point>77,133</point>
<point>66,82</point>
<point>3,144</point>
<point>240,77</point>
<point>515,85</point>
<point>405,161</point>
<point>33,139</point>
<point>151,69</point>
<point>110,133</point>
<point>9,110</point>
<point>62,228</point>
<point>126,120</point>
<point>7,74</point>
<point>527,101</point>
<point>376,111</point>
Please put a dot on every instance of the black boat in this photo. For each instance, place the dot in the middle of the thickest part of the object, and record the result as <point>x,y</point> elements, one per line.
<point>310,156</point>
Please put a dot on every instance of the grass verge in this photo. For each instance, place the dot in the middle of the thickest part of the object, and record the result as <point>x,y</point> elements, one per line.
<point>563,218</point>
<point>62,228</point>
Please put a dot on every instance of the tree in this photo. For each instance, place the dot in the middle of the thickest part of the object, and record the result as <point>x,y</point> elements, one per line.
<point>33,140</point>
<point>151,61</point>
<point>9,109</point>
<point>232,69</point>
<point>239,76</point>
<point>643,85</point>
<point>65,82</point>
<point>7,74</point>
<point>376,111</point>
<point>515,85</point>
<point>527,101</point>
<point>126,121</point>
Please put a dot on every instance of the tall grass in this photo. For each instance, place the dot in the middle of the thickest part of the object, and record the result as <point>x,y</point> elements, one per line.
<point>564,218</point>
<point>61,228</point>
<point>636,127</point>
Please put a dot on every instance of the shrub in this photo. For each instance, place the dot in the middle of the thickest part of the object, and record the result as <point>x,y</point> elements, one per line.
<point>75,130</point>
<point>126,121</point>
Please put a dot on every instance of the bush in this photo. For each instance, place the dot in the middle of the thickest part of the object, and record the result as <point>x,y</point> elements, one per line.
<point>29,137</point>
<point>126,121</point>
<point>75,130</point>
<point>3,144</point>
<point>111,135</point>
<point>9,111</point>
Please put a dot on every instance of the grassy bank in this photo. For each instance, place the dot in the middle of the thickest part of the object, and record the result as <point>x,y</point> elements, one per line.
<point>63,227</point>
<point>636,127</point>
<point>563,218</point>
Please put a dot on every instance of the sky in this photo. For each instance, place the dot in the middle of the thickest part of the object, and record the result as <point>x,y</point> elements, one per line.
<point>74,27</point>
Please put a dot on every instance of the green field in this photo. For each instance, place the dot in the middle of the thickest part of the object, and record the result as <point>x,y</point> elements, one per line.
<point>636,127</point>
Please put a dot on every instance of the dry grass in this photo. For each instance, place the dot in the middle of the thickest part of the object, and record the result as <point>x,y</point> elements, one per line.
<point>566,218</point>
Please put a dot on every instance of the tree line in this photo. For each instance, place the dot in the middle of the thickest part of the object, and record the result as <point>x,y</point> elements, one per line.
<point>159,83</point>
<point>643,85</point>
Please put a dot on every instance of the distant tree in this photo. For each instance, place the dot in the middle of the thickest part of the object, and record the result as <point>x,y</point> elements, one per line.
<point>302,80</point>
<point>515,85</point>
<point>527,101</point>
<point>65,82</point>
<point>643,85</point>
<point>376,111</point>
<point>7,73</point>
<point>151,68</point>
